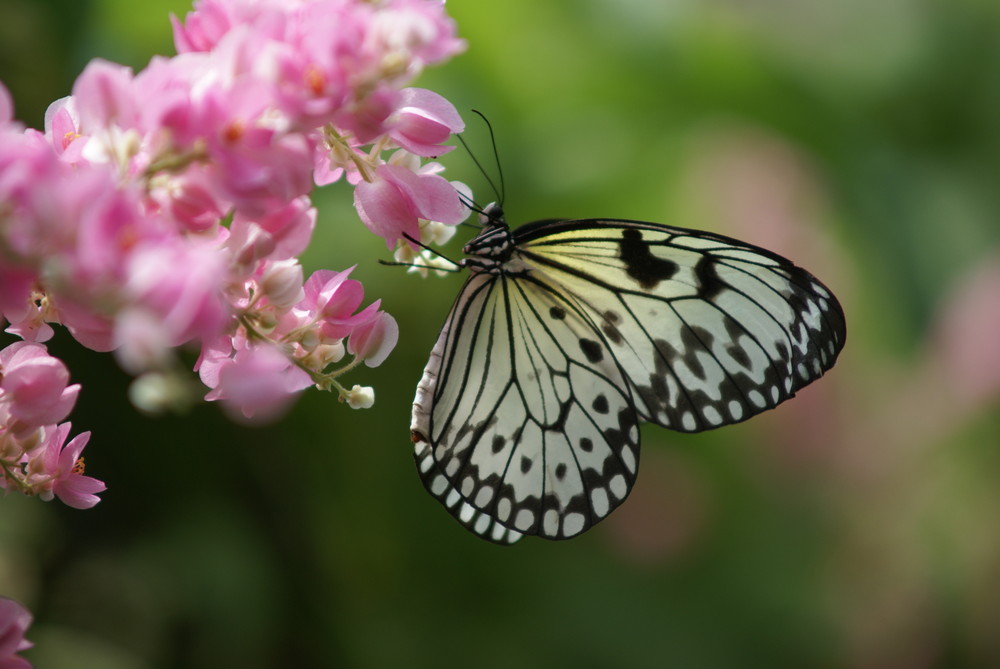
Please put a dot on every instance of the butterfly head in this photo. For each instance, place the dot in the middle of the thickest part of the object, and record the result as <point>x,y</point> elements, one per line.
<point>493,246</point>
<point>491,216</point>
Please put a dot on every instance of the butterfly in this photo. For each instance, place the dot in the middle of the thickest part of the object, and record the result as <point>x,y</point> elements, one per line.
<point>569,333</point>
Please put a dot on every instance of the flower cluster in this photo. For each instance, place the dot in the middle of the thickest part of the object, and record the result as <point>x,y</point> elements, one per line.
<point>168,208</point>
<point>34,458</point>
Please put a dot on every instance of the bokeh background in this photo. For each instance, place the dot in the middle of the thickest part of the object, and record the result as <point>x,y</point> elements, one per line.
<point>856,526</point>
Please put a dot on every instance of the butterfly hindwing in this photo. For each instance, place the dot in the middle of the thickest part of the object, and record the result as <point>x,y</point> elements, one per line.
<point>524,420</point>
<point>709,331</point>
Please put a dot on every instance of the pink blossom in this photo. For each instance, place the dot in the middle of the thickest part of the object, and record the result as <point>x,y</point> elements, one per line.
<point>374,340</point>
<point>368,119</point>
<point>58,470</point>
<point>180,282</point>
<point>104,96</point>
<point>172,294</point>
<point>62,130</point>
<point>34,385</point>
<point>205,26</point>
<point>86,231</point>
<point>423,121</point>
<point>257,382</point>
<point>325,171</point>
<point>190,201</point>
<point>14,622</point>
<point>28,324</point>
<point>280,234</point>
<point>331,299</point>
<point>93,330</point>
<point>181,103</point>
<point>141,341</point>
<point>17,305</point>
<point>393,203</point>
<point>211,20</point>
<point>259,169</point>
<point>29,173</point>
<point>418,28</point>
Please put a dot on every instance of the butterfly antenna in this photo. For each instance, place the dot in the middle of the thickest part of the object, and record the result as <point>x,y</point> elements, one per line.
<point>393,263</point>
<point>426,248</point>
<point>482,170</point>
<point>496,156</point>
<point>468,202</point>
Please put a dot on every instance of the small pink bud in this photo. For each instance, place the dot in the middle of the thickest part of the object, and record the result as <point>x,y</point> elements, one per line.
<point>425,120</point>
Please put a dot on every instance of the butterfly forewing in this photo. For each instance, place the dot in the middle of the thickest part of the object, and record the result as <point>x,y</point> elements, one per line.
<point>708,330</point>
<point>526,418</point>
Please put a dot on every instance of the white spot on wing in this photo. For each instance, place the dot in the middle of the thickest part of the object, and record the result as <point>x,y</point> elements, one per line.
<point>573,524</point>
<point>599,502</point>
<point>618,486</point>
<point>439,485</point>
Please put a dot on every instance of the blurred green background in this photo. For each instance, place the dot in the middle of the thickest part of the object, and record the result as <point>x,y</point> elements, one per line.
<point>856,526</point>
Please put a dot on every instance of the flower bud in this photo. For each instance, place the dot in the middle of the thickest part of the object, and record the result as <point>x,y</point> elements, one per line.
<point>360,397</point>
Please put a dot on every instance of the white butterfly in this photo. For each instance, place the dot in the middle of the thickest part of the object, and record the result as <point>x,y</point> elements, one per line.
<point>568,333</point>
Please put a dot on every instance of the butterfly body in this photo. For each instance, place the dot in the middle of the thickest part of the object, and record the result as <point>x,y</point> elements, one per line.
<point>569,333</point>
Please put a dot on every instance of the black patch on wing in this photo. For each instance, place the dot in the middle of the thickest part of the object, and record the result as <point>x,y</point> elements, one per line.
<point>709,283</point>
<point>592,350</point>
<point>640,263</point>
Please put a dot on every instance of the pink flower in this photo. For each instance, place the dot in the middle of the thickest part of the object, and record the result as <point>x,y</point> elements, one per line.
<point>14,622</point>
<point>181,284</point>
<point>257,382</point>
<point>368,119</point>
<point>393,203</point>
<point>31,178</point>
<point>261,170</point>
<point>190,200</point>
<point>205,26</point>
<point>418,28</point>
<point>33,385</point>
<point>18,306</point>
<point>280,234</point>
<point>93,330</point>
<point>92,226</point>
<point>331,299</point>
<point>423,121</point>
<point>104,96</point>
<point>62,130</point>
<point>58,470</point>
<point>374,340</point>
